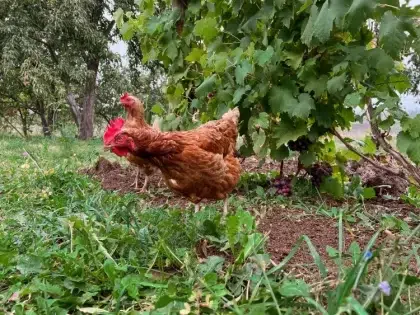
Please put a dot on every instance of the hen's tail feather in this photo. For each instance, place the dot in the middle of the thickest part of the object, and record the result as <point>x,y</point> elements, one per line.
<point>232,114</point>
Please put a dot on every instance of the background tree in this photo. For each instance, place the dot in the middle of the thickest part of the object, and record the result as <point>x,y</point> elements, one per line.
<point>57,48</point>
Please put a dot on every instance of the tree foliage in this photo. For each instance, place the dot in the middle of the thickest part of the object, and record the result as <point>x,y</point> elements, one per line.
<point>56,49</point>
<point>294,68</point>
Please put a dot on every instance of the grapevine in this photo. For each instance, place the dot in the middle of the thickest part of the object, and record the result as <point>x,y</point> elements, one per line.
<point>301,144</point>
<point>283,186</point>
<point>318,172</point>
<point>297,71</point>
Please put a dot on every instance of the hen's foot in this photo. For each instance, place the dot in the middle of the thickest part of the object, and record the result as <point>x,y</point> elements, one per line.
<point>136,180</point>
<point>225,208</point>
<point>146,184</point>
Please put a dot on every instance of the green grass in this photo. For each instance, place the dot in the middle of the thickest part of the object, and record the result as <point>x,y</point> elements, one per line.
<point>69,247</point>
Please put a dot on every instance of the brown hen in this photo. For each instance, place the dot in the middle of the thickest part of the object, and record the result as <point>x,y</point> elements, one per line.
<point>135,119</point>
<point>198,164</point>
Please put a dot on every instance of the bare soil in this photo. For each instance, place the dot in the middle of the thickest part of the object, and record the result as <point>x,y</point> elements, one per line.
<point>383,182</point>
<point>285,230</point>
<point>283,226</point>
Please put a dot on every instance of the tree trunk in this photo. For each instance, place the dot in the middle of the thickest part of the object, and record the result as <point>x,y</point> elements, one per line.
<point>88,113</point>
<point>50,119</point>
<point>24,122</point>
<point>74,108</point>
<point>46,130</point>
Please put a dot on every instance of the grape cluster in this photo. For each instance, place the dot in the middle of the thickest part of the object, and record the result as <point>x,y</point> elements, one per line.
<point>283,186</point>
<point>301,144</point>
<point>318,172</point>
<point>211,95</point>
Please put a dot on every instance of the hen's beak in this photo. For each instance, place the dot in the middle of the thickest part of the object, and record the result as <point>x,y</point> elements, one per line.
<point>107,148</point>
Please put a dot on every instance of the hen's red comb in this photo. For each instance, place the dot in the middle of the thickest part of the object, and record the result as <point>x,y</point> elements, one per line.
<point>124,96</point>
<point>112,129</point>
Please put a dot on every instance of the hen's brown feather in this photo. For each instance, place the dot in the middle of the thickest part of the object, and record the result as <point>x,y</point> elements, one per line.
<point>198,163</point>
<point>135,119</point>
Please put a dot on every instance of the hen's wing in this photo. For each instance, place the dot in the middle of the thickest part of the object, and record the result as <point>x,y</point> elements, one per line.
<point>219,136</point>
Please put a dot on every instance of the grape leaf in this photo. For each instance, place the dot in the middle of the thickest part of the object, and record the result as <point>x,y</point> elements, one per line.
<point>369,193</point>
<point>412,126</point>
<point>400,82</point>
<point>335,84</point>
<point>306,104</point>
<point>118,17</point>
<point>206,87</point>
<point>358,13</point>
<point>380,60</point>
<point>293,58</point>
<point>281,99</point>
<point>309,28</point>
<point>307,158</point>
<point>304,6</point>
<point>239,93</point>
<point>323,24</point>
<point>340,67</point>
<point>220,61</point>
<point>350,155</point>
<point>163,301</point>
<point>157,109</point>
<point>369,146</point>
<point>280,153</point>
<point>287,131</point>
<point>352,99</point>
<point>262,57</point>
<point>152,25</point>
<point>195,55</point>
<point>317,85</point>
<point>413,151</point>
<point>403,141</point>
<point>242,70</point>
<point>258,138</point>
<point>172,50</point>
<point>280,3</point>
<point>206,28</point>
<point>236,5</point>
<point>262,121</point>
<point>127,31</point>
<point>332,186</point>
<point>387,123</point>
<point>391,34</point>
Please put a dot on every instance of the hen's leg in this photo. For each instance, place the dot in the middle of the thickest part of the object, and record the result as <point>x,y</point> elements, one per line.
<point>136,181</point>
<point>146,183</point>
<point>225,207</point>
<point>196,207</point>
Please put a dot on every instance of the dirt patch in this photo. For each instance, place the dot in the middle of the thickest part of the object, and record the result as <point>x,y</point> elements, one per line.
<point>253,165</point>
<point>116,177</point>
<point>113,176</point>
<point>285,226</point>
<point>284,231</point>
<point>395,207</point>
<point>383,182</point>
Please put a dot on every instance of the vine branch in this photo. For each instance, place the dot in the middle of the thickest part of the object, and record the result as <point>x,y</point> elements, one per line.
<point>380,140</point>
<point>367,159</point>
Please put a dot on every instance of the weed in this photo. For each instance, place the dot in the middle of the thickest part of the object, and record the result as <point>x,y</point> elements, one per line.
<point>67,246</point>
